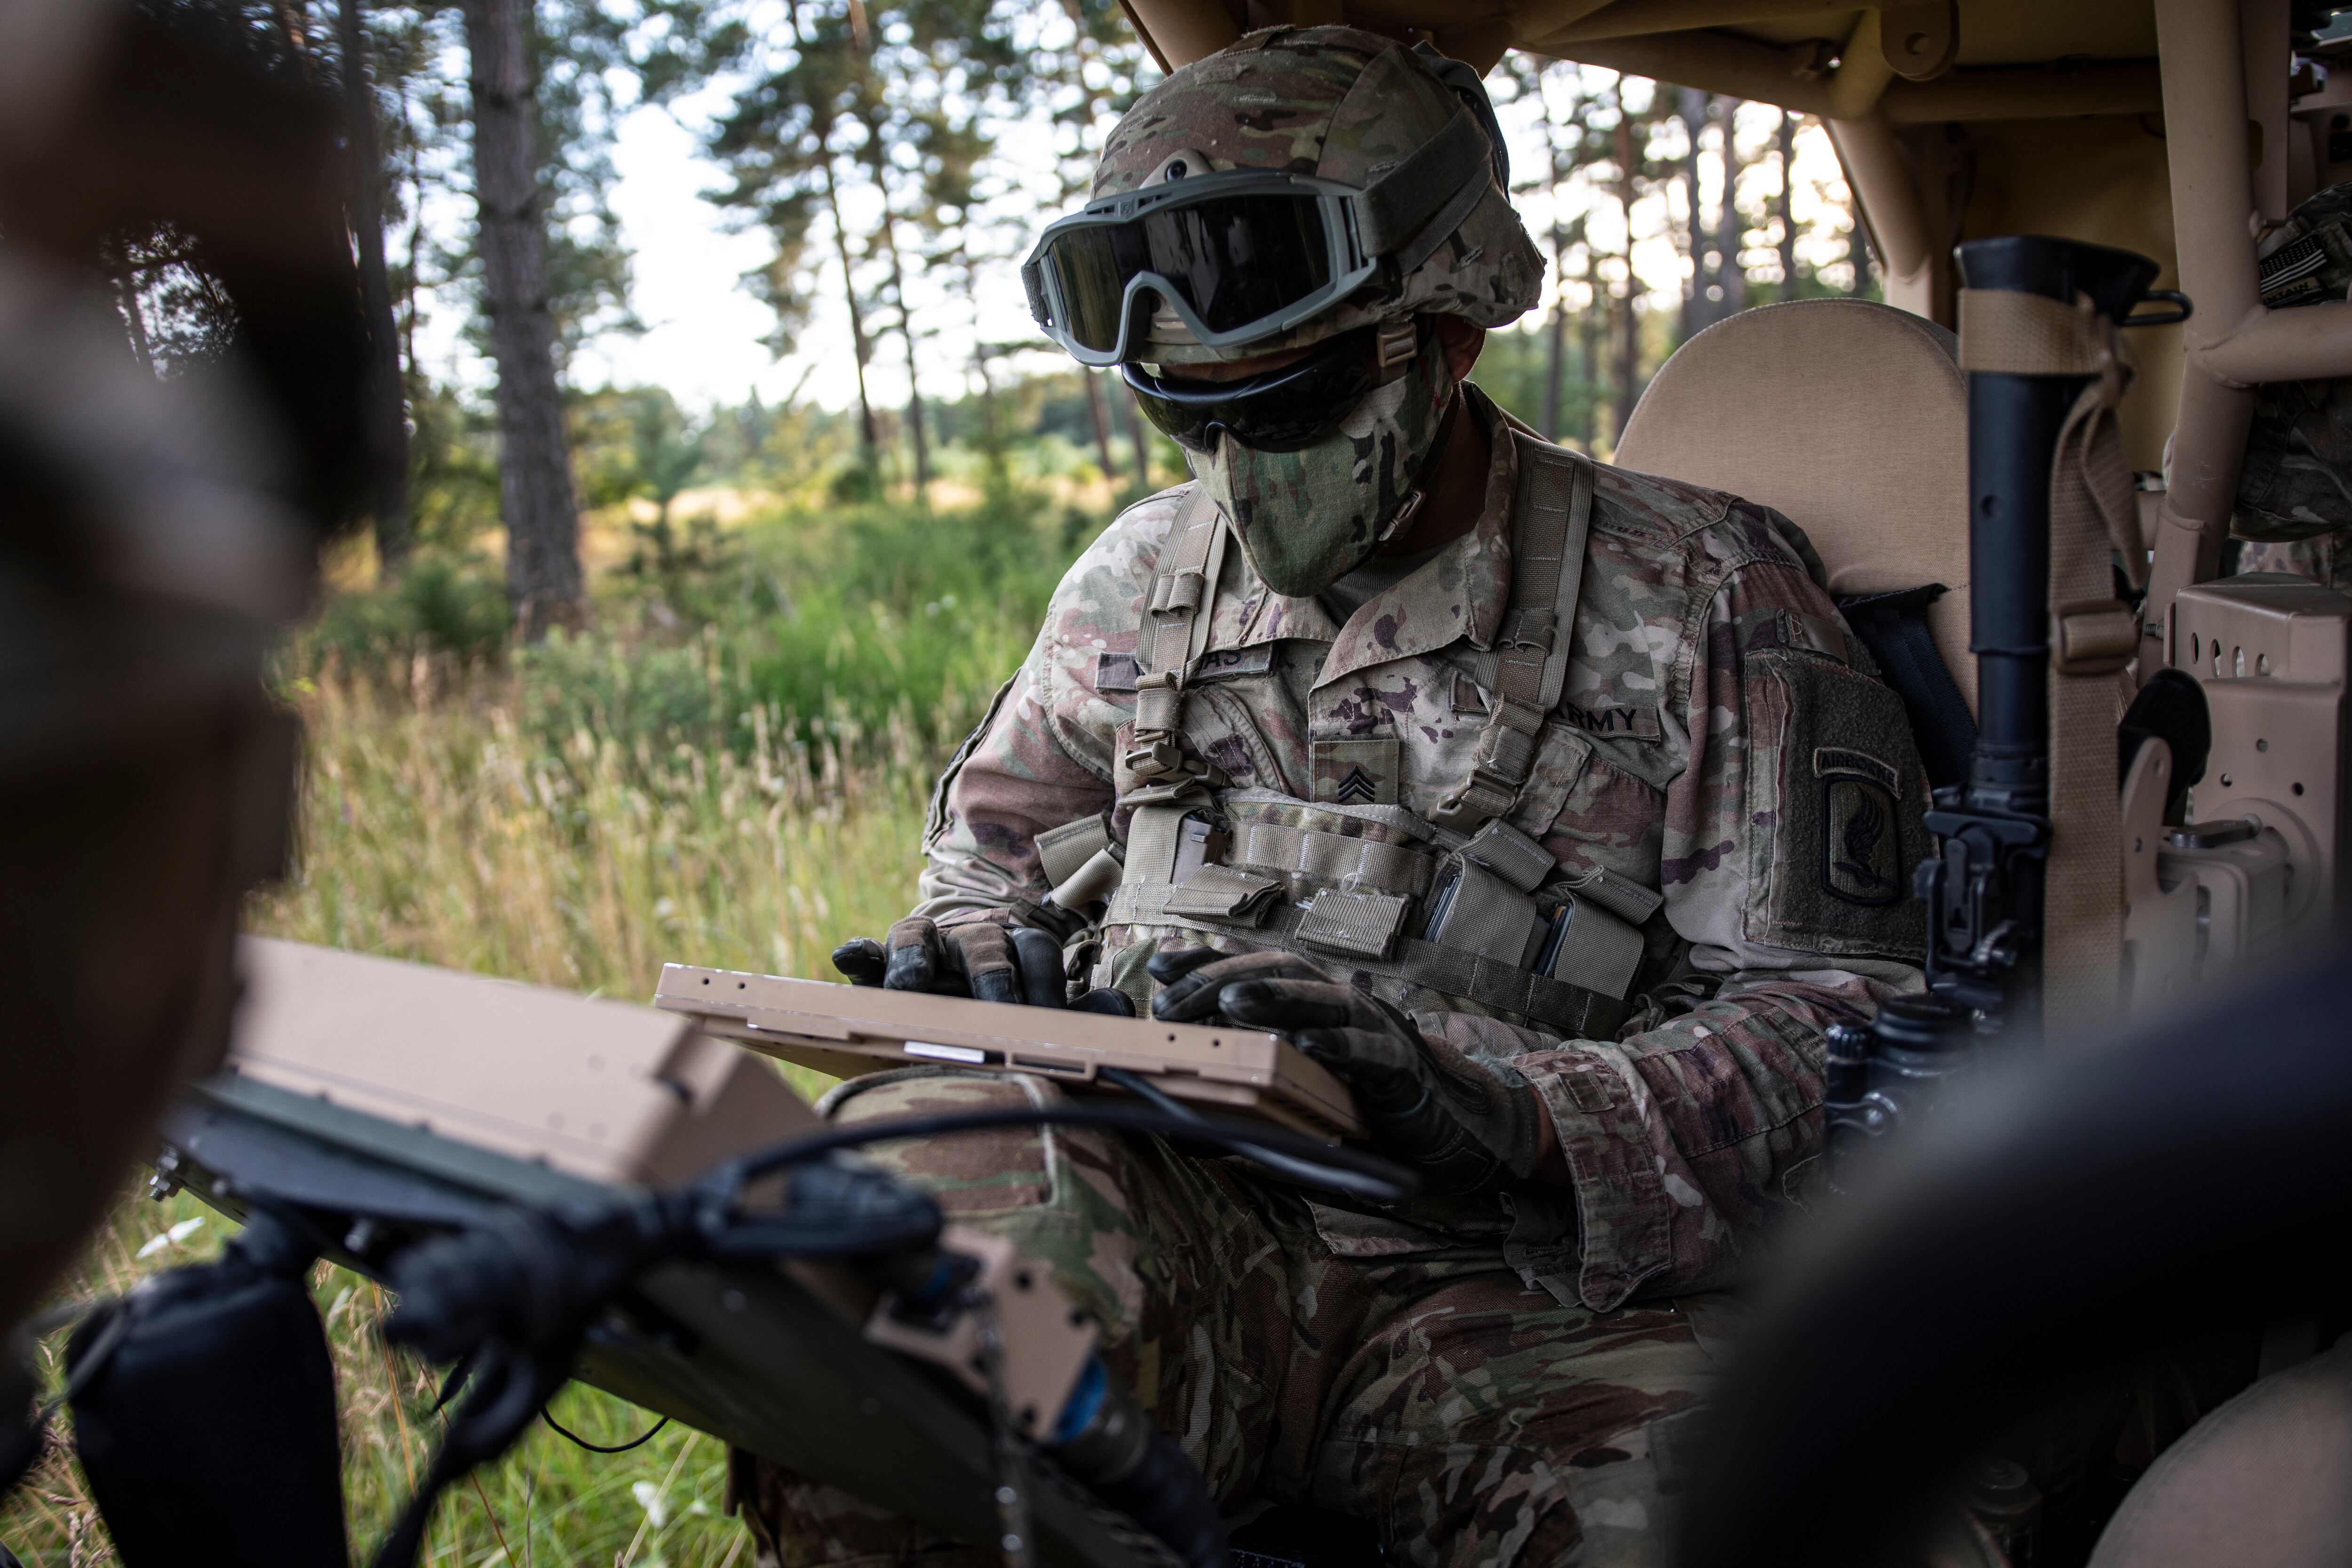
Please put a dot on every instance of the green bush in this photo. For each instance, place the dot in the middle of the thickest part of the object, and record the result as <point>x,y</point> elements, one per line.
<point>853,635</point>
<point>865,628</point>
<point>454,604</point>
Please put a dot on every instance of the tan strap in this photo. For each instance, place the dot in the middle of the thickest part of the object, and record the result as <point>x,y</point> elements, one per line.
<point>1178,609</point>
<point>1063,851</point>
<point>2092,517</point>
<point>2008,333</point>
<point>1551,515</point>
<point>1222,894</point>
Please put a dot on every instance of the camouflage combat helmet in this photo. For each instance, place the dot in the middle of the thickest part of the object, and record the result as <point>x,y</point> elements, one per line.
<point>1339,104</point>
<point>2297,478</point>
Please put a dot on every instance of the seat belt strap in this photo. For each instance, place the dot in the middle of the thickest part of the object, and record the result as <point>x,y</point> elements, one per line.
<point>1551,516</point>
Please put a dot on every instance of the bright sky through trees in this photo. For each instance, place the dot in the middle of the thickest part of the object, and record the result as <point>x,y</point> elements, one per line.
<point>704,327</point>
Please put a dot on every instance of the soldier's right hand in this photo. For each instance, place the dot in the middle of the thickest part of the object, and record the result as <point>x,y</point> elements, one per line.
<point>980,959</point>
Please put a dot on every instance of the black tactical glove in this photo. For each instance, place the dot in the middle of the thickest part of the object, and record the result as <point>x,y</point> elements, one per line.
<point>980,959</point>
<point>1466,1124</point>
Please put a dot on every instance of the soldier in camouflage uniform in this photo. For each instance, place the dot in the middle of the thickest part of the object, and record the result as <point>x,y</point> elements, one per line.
<point>1235,782</point>
<point>2294,492</point>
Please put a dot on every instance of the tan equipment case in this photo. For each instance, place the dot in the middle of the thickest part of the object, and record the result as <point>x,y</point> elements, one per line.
<point>609,1092</point>
<point>845,1030</point>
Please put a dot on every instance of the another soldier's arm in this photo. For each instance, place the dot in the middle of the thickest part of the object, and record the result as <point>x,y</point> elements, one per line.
<point>1787,841</point>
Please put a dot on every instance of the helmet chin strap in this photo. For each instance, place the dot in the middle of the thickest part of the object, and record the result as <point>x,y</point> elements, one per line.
<point>1394,343</point>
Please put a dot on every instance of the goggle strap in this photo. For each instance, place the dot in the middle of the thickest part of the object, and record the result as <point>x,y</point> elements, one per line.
<point>1411,210</point>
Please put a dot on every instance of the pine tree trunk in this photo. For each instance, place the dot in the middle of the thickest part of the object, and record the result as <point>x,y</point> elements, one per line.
<point>1097,406</point>
<point>1588,346</point>
<point>1629,340</point>
<point>1142,445</point>
<point>921,446</point>
<point>386,420</point>
<point>874,156</point>
<point>126,296</point>
<point>991,431</point>
<point>1691,106</point>
<point>1555,340</point>
<point>416,255</point>
<point>543,579</point>
<point>1729,227</point>
<point>860,344</point>
<point>1786,203</point>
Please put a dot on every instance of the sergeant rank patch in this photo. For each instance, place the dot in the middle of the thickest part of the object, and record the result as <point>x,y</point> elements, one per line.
<point>1862,847</point>
<point>1354,772</point>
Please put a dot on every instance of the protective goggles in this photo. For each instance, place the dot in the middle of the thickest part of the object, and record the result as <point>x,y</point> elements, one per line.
<point>1286,409</point>
<point>1245,254</point>
<point>1236,257</point>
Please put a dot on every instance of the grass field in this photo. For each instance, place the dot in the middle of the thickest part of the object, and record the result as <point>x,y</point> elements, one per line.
<point>747,791</point>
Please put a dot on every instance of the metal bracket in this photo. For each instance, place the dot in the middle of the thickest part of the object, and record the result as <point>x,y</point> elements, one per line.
<point>1983,894</point>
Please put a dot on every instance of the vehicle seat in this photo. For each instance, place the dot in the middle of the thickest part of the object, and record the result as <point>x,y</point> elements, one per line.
<point>2261,1479</point>
<point>1851,418</point>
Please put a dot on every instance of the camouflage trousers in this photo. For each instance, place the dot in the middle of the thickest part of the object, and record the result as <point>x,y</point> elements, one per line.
<point>1299,1354</point>
<point>2325,558</point>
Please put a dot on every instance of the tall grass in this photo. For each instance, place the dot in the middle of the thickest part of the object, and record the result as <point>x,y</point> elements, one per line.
<point>738,779</point>
<point>441,826</point>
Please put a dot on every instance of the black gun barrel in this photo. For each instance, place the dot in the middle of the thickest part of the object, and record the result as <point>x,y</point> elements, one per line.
<point>2013,426</point>
<point>1984,891</point>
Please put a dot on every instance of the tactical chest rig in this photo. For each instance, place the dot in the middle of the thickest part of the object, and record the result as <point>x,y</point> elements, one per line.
<point>1468,906</point>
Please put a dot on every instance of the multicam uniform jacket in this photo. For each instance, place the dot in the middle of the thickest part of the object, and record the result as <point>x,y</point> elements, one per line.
<point>1721,740</point>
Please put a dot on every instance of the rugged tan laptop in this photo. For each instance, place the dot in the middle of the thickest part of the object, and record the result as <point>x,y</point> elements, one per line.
<point>850,1030</point>
<point>609,1091</point>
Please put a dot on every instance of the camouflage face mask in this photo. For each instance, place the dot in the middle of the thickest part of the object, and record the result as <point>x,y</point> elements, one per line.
<point>1307,518</point>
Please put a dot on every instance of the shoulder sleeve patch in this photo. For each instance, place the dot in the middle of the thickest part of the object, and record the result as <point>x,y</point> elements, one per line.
<point>1837,784</point>
<point>1861,843</point>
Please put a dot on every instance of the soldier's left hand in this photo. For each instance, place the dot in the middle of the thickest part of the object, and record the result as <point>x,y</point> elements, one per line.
<point>1467,1124</point>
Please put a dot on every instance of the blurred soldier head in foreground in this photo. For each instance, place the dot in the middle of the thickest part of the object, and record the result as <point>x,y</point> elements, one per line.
<point>154,535</point>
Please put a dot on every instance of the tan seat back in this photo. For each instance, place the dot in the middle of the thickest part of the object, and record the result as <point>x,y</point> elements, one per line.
<point>2259,1481</point>
<point>1848,416</point>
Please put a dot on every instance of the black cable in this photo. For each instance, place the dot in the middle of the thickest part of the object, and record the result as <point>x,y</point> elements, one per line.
<point>1308,1171</point>
<point>639,1441</point>
<point>1333,1167</point>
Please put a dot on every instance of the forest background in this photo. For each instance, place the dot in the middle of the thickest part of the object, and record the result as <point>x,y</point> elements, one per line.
<point>611,676</point>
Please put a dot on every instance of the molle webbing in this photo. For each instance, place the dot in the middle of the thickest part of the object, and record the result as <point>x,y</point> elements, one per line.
<point>1552,513</point>
<point>1174,633</point>
<point>1340,859</point>
<point>1579,1014</point>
